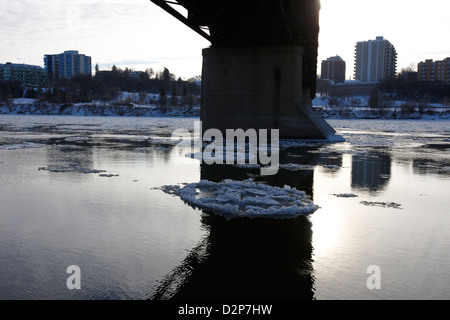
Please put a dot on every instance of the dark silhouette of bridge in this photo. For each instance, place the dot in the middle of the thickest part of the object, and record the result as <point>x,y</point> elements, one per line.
<point>260,70</point>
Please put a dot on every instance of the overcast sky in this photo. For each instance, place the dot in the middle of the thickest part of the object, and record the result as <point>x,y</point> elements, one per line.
<point>138,34</point>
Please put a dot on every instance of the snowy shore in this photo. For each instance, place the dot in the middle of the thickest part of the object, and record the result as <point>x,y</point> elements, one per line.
<point>96,109</point>
<point>401,110</point>
<point>32,107</point>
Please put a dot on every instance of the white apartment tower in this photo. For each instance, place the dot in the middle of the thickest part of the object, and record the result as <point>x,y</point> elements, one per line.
<point>375,60</point>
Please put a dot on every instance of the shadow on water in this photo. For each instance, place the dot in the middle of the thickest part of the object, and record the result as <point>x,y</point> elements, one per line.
<point>248,258</point>
<point>245,259</point>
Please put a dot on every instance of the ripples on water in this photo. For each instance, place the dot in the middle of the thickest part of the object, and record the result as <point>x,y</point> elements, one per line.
<point>87,191</point>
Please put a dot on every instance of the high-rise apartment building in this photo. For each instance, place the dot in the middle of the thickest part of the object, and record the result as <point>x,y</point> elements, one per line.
<point>430,70</point>
<point>333,69</point>
<point>375,60</point>
<point>24,73</point>
<point>67,64</point>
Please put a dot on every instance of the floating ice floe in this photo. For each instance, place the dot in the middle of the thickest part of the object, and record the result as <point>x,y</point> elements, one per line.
<point>70,169</point>
<point>247,198</point>
<point>345,195</point>
<point>23,145</point>
<point>382,204</point>
<point>108,175</point>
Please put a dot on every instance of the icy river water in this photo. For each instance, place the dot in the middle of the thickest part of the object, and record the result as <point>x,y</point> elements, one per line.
<point>102,194</point>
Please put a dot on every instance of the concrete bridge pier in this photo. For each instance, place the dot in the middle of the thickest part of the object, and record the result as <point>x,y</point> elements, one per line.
<point>258,87</point>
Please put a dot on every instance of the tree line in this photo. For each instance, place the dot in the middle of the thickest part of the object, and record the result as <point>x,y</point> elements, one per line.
<point>106,86</point>
<point>386,91</point>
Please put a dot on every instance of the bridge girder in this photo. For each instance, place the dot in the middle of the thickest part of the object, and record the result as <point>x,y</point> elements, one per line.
<point>228,23</point>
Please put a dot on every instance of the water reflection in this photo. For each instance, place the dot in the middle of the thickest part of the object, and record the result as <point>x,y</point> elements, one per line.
<point>246,259</point>
<point>70,155</point>
<point>250,258</point>
<point>268,258</point>
<point>300,179</point>
<point>423,166</point>
<point>371,172</point>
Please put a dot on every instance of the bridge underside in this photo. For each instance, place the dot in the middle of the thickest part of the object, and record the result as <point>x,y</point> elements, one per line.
<point>260,71</point>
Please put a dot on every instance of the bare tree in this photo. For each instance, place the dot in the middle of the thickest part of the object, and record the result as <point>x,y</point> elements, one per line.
<point>173,98</point>
<point>150,72</point>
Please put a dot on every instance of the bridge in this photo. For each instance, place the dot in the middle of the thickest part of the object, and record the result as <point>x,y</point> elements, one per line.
<point>260,70</point>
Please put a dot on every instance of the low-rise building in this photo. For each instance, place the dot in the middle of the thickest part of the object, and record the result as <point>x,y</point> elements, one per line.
<point>430,70</point>
<point>24,73</point>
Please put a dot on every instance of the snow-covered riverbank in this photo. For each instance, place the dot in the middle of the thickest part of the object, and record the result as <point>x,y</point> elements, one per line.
<point>30,107</point>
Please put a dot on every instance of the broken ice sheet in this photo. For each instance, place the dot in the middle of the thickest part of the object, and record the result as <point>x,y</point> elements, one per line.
<point>382,204</point>
<point>247,198</point>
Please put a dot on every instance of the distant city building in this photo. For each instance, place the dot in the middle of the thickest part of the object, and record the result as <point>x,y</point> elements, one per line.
<point>333,69</point>
<point>67,64</point>
<point>22,73</point>
<point>375,60</point>
<point>430,70</point>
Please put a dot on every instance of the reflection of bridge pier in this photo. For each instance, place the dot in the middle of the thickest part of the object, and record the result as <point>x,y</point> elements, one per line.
<point>260,71</point>
<point>246,259</point>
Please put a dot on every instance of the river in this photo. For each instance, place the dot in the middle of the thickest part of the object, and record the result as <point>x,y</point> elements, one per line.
<point>98,193</point>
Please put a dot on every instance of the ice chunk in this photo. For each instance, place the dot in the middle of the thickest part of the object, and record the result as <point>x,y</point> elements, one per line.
<point>108,175</point>
<point>382,204</point>
<point>245,199</point>
<point>345,195</point>
<point>70,169</point>
<point>266,200</point>
<point>23,145</point>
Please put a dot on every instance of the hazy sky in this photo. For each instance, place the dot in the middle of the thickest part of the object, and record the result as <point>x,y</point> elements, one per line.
<point>138,34</point>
